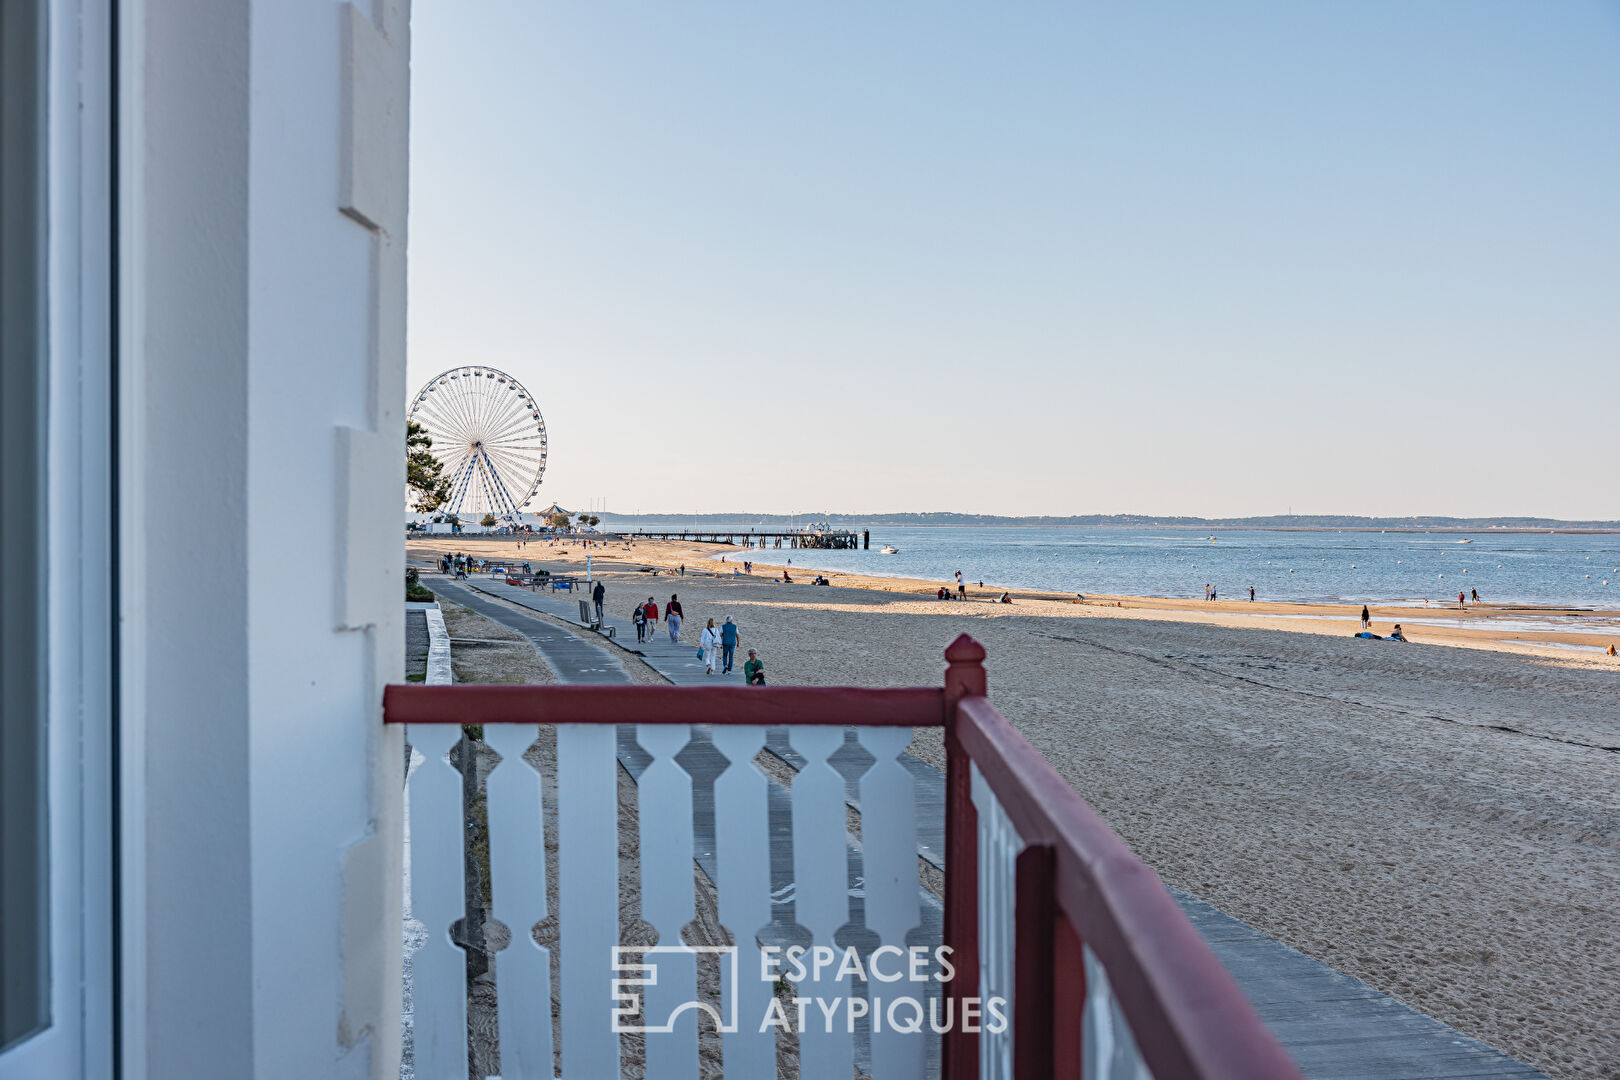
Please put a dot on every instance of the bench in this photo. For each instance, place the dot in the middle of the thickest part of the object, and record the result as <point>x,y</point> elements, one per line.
<point>588,616</point>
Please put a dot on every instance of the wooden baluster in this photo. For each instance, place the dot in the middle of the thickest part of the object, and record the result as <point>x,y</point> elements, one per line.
<point>664,796</point>
<point>588,895</point>
<point>889,868</point>
<point>438,900</point>
<point>743,864</point>
<point>517,866</point>
<point>999,846</point>
<point>821,901</point>
<point>1107,1044</point>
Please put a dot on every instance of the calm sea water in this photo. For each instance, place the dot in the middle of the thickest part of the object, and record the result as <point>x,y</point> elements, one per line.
<point>1563,570</point>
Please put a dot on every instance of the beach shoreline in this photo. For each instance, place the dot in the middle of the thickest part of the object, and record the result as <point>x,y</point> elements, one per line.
<point>1576,635</point>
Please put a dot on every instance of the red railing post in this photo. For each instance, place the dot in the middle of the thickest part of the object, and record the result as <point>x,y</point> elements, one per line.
<point>964,678</point>
<point>1068,998</point>
<point>1033,906</point>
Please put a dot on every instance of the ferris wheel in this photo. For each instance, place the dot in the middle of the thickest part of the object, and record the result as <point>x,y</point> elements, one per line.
<point>489,436</point>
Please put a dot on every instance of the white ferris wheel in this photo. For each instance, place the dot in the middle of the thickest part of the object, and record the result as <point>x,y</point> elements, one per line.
<point>488,434</point>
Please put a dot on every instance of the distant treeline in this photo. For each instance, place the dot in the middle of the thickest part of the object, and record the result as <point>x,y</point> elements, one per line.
<point>1135,521</point>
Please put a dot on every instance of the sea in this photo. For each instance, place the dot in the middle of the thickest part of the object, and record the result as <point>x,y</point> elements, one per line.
<point>1574,570</point>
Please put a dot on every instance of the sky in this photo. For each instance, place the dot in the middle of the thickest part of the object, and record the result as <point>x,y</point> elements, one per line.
<point>1162,258</point>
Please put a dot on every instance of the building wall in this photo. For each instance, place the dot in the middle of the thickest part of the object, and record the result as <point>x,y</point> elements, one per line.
<point>269,195</point>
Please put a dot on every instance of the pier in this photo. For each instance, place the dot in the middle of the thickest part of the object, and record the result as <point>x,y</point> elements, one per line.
<point>823,539</point>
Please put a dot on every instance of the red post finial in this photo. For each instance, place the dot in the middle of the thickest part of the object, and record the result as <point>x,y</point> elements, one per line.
<point>965,675</point>
<point>964,650</point>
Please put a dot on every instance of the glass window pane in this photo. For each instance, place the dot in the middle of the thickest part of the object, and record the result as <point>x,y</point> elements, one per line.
<point>24,937</point>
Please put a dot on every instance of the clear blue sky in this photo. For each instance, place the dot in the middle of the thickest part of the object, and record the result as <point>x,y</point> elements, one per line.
<point>1352,257</point>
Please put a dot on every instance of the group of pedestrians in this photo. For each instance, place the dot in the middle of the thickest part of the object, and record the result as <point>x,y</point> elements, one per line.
<point>459,564</point>
<point>717,645</point>
<point>646,619</point>
<point>1211,593</point>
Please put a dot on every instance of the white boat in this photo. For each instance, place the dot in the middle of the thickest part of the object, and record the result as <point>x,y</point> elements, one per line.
<point>887,549</point>
<point>1465,541</point>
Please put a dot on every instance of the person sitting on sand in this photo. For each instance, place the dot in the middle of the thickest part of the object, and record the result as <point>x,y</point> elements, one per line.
<point>785,579</point>
<point>1006,598</point>
<point>1396,635</point>
<point>754,669</point>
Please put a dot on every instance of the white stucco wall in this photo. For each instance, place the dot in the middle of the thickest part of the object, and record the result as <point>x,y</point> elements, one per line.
<point>270,203</point>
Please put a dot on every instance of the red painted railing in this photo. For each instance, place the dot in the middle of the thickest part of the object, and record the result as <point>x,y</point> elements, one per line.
<point>1078,886</point>
<point>1095,937</point>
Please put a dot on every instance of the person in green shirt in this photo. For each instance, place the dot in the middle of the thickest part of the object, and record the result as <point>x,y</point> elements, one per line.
<point>754,669</point>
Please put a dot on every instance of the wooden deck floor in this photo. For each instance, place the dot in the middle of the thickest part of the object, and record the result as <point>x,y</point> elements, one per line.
<point>1336,1027</point>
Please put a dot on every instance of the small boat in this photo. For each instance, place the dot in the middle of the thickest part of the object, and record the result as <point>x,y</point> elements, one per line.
<point>1465,541</point>
<point>888,549</point>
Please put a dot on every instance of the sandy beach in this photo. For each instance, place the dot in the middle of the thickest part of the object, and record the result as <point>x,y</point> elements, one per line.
<point>1440,819</point>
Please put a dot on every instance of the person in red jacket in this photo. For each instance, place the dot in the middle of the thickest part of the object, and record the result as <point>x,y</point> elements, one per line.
<point>651,608</point>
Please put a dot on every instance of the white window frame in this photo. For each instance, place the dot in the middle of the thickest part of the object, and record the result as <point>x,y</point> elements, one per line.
<point>79,1040</point>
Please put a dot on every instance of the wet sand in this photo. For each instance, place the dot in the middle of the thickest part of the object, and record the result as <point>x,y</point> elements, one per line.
<point>1441,822</point>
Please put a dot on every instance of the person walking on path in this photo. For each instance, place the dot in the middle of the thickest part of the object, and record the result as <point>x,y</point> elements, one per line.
<point>598,594</point>
<point>710,644</point>
<point>672,619</point>
<point>640,619</point>
<point>1366,618</point>
<point>652,618</point>
<point>728,645</point>
<point>754,669</point>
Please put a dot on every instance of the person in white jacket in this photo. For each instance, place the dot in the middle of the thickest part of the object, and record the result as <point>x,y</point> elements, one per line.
<point>710,643</point>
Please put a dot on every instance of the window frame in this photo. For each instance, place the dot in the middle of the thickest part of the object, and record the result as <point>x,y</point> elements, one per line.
<point>74,76</point>
<point>25,894</point>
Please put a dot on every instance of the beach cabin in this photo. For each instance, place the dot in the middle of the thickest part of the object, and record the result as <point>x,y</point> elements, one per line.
<point>202,304</point>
